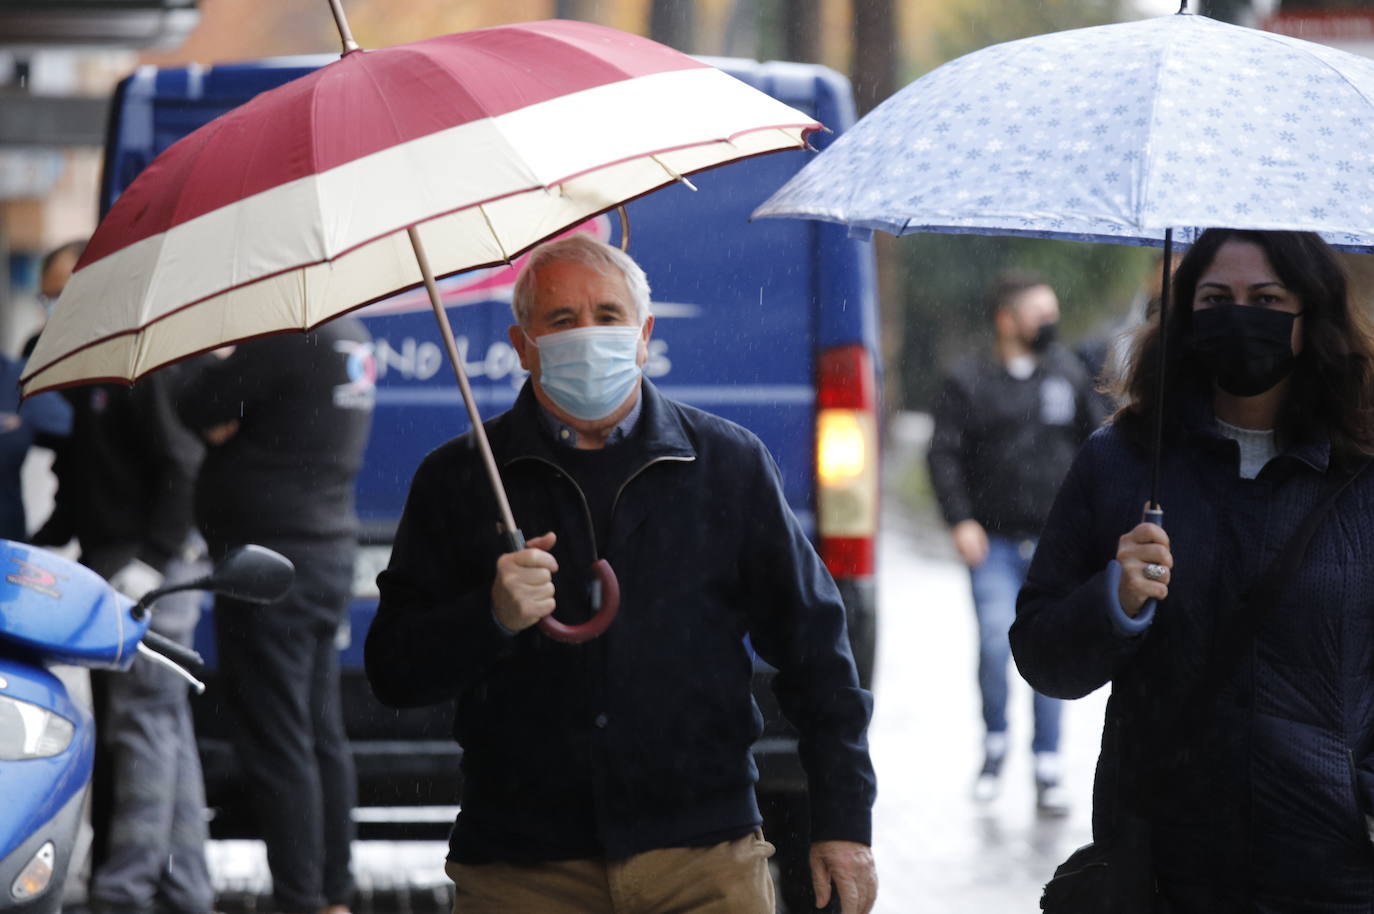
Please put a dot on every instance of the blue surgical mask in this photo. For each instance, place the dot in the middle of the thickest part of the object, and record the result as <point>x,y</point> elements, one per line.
<point>589,371</point>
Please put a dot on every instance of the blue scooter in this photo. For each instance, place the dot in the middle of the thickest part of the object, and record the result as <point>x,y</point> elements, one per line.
<point>55,611</point>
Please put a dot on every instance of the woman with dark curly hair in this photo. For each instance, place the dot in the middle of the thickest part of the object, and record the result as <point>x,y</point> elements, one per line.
<point>1237,763</point>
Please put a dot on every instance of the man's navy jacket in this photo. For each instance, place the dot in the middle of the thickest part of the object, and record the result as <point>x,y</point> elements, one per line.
<point>638,739</point>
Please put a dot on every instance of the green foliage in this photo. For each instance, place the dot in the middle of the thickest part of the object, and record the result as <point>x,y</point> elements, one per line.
<point>948,275</point>
<point>949,29</point>
<point>979,23</point>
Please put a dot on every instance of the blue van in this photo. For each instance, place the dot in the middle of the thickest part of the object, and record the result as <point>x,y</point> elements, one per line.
<point>770,324</point>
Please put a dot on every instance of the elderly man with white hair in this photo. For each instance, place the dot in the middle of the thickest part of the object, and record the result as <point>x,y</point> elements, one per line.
<point>615,775</point>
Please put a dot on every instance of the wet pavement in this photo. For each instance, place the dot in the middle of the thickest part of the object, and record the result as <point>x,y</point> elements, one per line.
<point>937,850</point>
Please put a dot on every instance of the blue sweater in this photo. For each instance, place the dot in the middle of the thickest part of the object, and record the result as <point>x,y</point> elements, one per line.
<point>1264,809</point>
<point>639,739</point>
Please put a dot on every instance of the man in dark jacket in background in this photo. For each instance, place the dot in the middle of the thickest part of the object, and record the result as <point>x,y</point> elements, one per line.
<point>287,419</point>
<point>1007,425</point>
<point>619,768</point>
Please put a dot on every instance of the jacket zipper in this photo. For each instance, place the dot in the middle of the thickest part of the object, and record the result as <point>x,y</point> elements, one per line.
<point>631,478</point>
<point>586,508</point>
<point>582,496</point>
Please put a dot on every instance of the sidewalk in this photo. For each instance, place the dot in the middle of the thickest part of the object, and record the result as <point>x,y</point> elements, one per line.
<point>937,850</point>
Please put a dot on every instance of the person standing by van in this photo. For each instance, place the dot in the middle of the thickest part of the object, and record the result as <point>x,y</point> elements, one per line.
<point>125,478</point>
<point>620,767</point>
<point>287,419</point>
<point>1007,425</point>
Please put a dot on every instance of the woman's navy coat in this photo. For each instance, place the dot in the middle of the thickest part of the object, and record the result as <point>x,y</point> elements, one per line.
<point>1264,809</point>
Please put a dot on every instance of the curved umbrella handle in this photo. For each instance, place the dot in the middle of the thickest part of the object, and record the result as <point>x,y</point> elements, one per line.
<point>599,622</point>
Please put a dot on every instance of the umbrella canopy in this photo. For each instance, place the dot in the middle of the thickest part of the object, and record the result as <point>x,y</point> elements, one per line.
<point>296,206</point>
<point>386,169</point>
<point>1140,133</point>
<point>1116,133</point>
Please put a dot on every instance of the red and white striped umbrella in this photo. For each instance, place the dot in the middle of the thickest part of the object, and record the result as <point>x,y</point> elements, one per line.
<point>345,186</point>
<point>296,206</point>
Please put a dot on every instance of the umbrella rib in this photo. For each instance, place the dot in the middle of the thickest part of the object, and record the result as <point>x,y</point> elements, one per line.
<point>672,174</point>
<point>1146,171</point>
<point>494,237</point>
<point>396,130</point>
<point>323,235</point>
<point>1327,65</point>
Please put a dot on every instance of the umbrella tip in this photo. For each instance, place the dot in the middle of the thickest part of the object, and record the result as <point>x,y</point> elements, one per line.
<point>1182,7</point>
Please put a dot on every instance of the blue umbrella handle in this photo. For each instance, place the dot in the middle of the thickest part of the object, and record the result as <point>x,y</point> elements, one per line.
<point>1153,514</point>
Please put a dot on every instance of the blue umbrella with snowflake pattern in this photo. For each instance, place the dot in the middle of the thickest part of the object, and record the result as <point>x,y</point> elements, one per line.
<point>1141,132</point>
<point>1116,133</point>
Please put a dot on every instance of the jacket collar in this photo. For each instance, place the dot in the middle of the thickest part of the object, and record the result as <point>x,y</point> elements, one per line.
<point>566,436</point>
<point>1200,422</point>
<point>660,431</point>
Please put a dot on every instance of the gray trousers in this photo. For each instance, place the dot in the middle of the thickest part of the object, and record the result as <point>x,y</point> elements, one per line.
<point>156,848</point>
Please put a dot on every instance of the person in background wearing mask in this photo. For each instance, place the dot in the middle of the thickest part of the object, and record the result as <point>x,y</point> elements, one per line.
<point>1008,422</point>
<point>615,775</point>
<point>1237,764</point>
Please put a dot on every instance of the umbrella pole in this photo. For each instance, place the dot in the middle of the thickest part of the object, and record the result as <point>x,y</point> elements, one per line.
<point>1155,514</point>
<point>345,33</point>
<point>509,530</point>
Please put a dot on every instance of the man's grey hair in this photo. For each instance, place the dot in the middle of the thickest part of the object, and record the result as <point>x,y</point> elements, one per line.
<point>586,250</point>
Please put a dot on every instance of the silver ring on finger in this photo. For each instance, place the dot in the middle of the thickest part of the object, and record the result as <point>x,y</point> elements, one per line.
<point>1155,572</point>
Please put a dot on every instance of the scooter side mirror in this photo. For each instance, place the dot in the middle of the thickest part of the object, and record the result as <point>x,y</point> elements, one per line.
<point>253,574</point>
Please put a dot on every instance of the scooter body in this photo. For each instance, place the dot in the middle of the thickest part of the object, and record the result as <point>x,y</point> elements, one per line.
<point>56,612</point>
<point>52,611</point>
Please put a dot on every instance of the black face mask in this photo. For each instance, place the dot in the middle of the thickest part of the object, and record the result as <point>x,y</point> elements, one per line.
<point>1248,349</point>
<point>1045,336</point>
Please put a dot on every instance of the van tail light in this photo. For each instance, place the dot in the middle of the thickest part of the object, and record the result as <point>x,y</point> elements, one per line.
<point>847,460</point>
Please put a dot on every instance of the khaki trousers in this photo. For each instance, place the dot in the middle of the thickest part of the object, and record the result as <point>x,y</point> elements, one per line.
<point>727,878</point>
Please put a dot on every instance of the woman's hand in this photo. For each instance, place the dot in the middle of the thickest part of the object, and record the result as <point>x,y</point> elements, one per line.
<point>1145,546</point>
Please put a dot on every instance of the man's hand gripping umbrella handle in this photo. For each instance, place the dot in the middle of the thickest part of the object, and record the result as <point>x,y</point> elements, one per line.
<point>607,601</point>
